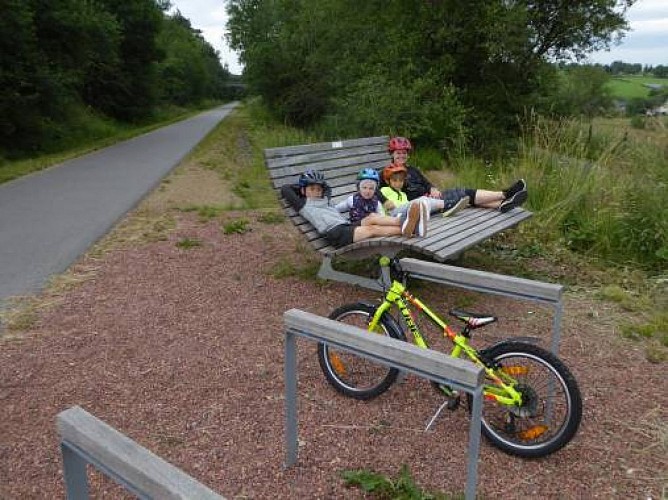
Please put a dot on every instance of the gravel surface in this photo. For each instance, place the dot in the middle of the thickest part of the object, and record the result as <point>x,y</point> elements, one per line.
<point>182,350</point>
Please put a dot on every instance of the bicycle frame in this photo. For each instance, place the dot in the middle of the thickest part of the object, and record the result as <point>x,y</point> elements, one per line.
<point>398,296</point>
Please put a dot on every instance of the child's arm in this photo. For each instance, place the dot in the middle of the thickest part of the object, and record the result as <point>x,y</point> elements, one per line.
<point>290,194</point>
<point>345,205</point>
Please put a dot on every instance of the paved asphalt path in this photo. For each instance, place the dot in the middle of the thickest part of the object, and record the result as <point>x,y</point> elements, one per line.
<point>49,219</point>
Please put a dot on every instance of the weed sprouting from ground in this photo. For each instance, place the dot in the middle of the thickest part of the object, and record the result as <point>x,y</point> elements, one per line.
<point>204,212</point>
<point>236,226</point>
<point>271,218</point>
<point>384,488</point>
<point>187,243</point>
<point>285,268</point>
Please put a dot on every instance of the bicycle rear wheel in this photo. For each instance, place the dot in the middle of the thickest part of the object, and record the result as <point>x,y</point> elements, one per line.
<point>551,407</point>
<point>353,375</point>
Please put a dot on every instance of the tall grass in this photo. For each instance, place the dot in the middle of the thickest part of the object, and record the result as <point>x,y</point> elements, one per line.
<point>597,190</point>
<point>251,129</point>
<point>86,131</point>
<point>600,193</point>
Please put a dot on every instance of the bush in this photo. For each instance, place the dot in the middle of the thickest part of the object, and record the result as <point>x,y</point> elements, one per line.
<point>379,104</point>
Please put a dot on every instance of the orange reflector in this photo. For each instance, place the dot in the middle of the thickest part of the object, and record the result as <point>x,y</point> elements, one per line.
<point>532,433</point>
<point>514,371</point>
<point>337,364</point>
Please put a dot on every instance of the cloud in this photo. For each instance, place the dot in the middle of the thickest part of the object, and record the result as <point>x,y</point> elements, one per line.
<point>210,17</point>
<point>648,9</point>
<point>650,26</point>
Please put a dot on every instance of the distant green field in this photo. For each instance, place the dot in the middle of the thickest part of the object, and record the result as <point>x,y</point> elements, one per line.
<point>628,87</point>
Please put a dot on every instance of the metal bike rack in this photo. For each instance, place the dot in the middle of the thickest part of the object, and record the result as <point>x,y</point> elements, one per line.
<point>87,440</point>
<point>426,363</point>
<point>496,284</point>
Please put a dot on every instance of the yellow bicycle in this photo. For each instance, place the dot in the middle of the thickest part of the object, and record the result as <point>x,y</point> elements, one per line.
<point>532,403</point>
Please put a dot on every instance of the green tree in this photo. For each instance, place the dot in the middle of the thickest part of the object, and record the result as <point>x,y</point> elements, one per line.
<point>48,49</point>
<point>579,90</point>
<point>131,88</point>
<point>311,59</point>
<point>191,70</point>
<point>660,71</point>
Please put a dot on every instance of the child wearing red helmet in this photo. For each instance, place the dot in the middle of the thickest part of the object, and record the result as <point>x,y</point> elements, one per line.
<point>417,185</point>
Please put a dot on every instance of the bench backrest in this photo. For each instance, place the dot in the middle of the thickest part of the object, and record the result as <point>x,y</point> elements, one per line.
<point>340,161</point>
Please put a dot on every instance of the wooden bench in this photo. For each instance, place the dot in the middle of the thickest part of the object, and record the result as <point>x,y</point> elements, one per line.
<point>432,365</point>
<point>340,161</point>
<point>86,439</point>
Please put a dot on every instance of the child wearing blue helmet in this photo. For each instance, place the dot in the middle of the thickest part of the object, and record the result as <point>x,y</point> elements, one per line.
<point>365,202</point>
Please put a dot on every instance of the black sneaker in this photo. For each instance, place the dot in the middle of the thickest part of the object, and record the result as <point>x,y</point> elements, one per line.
<point>519,185</point>
<point>514,201</point>
<point>460,205</point>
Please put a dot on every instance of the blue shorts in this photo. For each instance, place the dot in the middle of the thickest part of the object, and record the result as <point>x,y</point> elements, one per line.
<point>452,196</point>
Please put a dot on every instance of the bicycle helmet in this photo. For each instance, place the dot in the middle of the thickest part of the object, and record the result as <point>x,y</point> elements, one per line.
<point>312,176</point>
<point>368,173</point>
<point>393,168</point>
<point>399,143</point>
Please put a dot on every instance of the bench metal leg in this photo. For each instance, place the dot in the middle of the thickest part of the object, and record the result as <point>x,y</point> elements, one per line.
<point>327,272</point>
<point>74,472</point>
<point>291,399</point>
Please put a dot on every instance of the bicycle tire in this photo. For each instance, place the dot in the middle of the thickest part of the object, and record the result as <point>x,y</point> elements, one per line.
<point>352,375</point>
<point>528,431</point>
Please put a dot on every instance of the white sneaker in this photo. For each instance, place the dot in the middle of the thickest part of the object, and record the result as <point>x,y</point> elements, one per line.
<point>457,207</point>
<point>412,219</point>
<point>424,218</point>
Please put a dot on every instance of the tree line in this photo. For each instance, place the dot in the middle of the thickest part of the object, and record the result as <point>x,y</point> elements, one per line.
<point>63,60</point>
<point>438,71</point>
<point>622,68</point>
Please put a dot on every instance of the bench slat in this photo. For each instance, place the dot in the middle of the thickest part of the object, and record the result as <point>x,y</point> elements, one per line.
<point>324,146</point>
<point>320,156</point>
<point>342,167</point>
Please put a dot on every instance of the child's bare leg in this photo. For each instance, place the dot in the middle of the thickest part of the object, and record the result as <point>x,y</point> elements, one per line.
<point>488,199</point>
<point>434,204</point>
<point>380,220</point>
<point>364,232</point>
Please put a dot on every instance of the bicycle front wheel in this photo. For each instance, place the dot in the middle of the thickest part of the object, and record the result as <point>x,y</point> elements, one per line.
<point>551,407</point>
<point>353,375</point>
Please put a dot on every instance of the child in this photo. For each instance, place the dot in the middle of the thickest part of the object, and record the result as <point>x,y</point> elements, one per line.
<point>311,199</point>
<point>365,202</point>
<point>396,200</point>
<point>417,185</point>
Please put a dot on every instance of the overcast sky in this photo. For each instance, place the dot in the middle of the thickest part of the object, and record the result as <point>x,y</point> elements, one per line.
<point>646,43</point>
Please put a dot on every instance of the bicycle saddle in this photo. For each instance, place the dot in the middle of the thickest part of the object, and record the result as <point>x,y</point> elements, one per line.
<point>472,320</point>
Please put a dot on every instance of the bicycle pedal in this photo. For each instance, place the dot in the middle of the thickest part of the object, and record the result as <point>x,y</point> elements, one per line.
<point>453,401</point>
